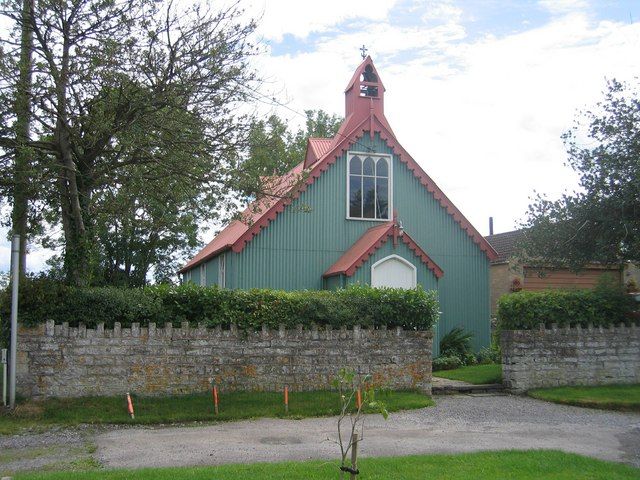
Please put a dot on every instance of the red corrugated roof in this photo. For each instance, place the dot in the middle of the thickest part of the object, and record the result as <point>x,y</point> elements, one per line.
<point>316,149</point>
<point>276,188</point>
<point>371,241</point>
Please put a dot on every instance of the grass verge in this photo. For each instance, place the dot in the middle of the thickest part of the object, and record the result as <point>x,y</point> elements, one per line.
<point>606,397</point>
<point>189,408</point>
<point>522,465</point>
<point>476,374</point>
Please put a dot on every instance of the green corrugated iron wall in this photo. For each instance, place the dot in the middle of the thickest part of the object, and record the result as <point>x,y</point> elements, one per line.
<point>212,271</point>
<point>195,275</point>
<point>312,233</point>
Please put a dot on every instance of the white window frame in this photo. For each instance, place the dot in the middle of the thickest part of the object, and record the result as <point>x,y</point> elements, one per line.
<point>403,260</point>
<point>222,271</point>
<point>203,274</point>
<point>350,155</point>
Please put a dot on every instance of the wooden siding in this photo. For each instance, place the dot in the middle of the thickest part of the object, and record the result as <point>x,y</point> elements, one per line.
<point>534,280</point>
<point>312,233</point>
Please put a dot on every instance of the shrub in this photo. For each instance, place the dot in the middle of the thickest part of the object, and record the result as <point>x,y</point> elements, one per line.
<point>488,355</point>
<point>469,359</point>
<point>603,306</point>
<point>42,299</point>
<point>457,342</point>
<point>446,363</point>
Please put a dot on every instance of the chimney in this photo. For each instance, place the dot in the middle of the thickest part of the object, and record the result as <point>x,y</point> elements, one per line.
<point>490,225</point>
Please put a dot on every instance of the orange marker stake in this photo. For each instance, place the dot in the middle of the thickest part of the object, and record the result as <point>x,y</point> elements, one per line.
<point>130,406</point>
<point>215,399</point>
<point>358,399</point>
<point>286,399</point>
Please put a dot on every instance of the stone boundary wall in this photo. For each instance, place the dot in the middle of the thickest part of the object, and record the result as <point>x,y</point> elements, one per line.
<point>570,356</point>
<point>63,361</point>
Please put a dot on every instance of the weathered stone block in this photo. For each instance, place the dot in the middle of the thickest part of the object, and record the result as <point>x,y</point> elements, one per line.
<point>56,360</point>
<point>570,356</point>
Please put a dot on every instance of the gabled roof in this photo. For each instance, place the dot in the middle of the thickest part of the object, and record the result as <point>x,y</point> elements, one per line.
<point>277,187</point>
<point>358,121</point>
<point>316,149</point>
<point>505,244</point>
<point>371,241</point>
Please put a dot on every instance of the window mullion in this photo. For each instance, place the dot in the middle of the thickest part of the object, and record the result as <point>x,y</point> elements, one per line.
<point>361,196</point>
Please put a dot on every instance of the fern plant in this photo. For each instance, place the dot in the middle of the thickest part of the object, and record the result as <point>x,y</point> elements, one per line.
<point>456,343</point>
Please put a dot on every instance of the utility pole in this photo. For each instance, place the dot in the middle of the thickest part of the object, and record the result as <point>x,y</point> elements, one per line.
<point>15,282</point>
<point>23,188</point>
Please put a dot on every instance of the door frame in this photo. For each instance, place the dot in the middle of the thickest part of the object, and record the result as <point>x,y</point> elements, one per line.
<point>403,260</point>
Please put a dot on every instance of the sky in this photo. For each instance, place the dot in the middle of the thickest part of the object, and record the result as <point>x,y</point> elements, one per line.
<point>478,92</point>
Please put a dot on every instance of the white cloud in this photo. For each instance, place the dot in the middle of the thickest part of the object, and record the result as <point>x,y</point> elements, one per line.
<point>36,257</point>
<point>300,18</point>
<point>443,11</point>
<point>563,6</point>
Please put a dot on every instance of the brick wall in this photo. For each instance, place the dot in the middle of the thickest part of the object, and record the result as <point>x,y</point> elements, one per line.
<point>570,356</point>
<point>56,360</point>
<point>502,276</point>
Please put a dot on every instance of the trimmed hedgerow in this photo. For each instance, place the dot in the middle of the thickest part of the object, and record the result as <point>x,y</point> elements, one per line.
<point>43,299</point>
<point>603,306</point>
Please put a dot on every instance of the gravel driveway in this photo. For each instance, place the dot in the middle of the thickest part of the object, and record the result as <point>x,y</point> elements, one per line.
<point>456,424</point>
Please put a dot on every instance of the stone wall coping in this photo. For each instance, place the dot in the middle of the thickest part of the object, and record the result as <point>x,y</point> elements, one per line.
<point>188,330</point>
<point>542,328</point>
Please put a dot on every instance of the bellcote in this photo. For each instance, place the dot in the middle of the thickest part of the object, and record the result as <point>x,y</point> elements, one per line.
<point>365,92</point>
<point>364,102</point>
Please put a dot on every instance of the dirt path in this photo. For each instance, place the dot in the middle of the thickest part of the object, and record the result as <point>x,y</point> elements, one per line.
<point>457,424</point>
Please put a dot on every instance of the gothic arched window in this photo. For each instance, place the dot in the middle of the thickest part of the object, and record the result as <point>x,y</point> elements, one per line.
<point>369,186</point>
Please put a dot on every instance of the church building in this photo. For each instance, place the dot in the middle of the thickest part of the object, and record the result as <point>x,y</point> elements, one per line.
<point>357,209</point>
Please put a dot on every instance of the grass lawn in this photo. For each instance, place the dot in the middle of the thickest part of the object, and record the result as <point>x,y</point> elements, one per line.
<point>522,465</point>
<point>188,408</point>
<point>476,374</point>
<point>608,397</point>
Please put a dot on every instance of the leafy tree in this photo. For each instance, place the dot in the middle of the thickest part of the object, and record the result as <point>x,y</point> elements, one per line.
<point>274,149</point>
<point>601,222</point>
<point>22,188</point>
<point>318,124</point>
<point>134,109</point>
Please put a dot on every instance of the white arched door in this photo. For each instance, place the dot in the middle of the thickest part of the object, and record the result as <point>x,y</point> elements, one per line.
<point>393,271</point>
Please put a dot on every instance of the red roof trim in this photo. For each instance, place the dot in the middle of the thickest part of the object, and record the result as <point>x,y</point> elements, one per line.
<point>426,259</point>
<point>385,233</point>
<point>271,214</point>
<point>438,194</point>
<point>316,148</point>
<point>208,256</point>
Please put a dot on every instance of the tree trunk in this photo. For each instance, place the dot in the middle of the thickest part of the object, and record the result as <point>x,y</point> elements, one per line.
<point>22,173</point>
<point>77,248</point>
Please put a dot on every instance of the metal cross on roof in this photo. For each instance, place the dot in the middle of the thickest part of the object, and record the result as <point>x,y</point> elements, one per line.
<point>363,52</point>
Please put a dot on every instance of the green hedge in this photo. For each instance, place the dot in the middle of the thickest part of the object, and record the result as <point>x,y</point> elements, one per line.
<point>42,299</point>
<point>599,307</point>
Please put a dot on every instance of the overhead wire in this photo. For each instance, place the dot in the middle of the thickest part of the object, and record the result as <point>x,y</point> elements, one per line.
<point>273,101</point>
